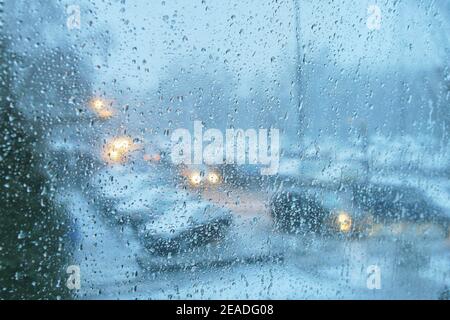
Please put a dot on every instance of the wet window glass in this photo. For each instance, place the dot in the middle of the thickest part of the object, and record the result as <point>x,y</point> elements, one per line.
<point>224,149</point>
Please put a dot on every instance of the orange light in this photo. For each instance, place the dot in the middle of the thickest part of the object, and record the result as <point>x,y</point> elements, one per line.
<point>344,221</point>
<point>117,149</point>
<point>101,108</point>
<point>195,178</point>
<point>213,178</point>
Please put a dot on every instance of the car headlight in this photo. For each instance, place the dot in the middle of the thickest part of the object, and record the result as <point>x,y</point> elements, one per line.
<point>213,178</point>
<point>344,221</point>
<point>195,178</point>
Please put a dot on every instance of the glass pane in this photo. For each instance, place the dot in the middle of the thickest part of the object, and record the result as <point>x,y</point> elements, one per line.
<point>225,149</point>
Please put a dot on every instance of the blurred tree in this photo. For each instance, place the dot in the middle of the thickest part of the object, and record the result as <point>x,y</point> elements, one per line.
<point>32,244</point>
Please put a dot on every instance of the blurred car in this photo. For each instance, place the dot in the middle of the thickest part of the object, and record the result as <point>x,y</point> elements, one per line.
<point>357,210</point>
<point>185,224</point>
<point>316,209</point>
<point>167,217</point>
<point>200,176</point>
<point>400,209</point>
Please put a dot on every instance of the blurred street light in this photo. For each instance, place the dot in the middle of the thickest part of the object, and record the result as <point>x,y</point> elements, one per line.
<point>101,108</point>
<point>117,149</point>
<point>344,221</point>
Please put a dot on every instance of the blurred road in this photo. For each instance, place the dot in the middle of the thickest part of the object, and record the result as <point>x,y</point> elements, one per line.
<point>311,268</point>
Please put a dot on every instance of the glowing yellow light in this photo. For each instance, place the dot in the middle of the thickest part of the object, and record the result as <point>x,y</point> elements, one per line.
<point>213,178</point>
<point>100,107</point>
<point>195,178</point>
<point>344,221</point>
<point>117,149</point>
